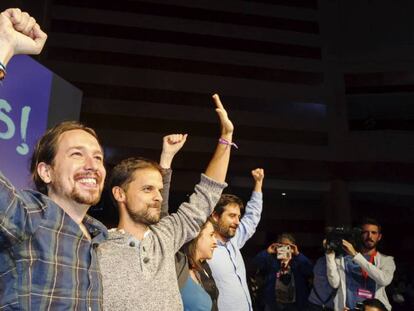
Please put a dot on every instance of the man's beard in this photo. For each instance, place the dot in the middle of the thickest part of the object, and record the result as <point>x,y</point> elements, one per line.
<point>370,245</point>
<point>147,216</point>
<point>225,230</point>
<point>88,198</point>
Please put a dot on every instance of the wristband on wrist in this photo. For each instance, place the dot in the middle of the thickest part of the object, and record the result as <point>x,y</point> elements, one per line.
<point>226,142</point>
<point>2,71</point>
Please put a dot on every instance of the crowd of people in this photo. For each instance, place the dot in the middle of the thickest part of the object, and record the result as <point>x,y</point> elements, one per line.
<point>53,256</point>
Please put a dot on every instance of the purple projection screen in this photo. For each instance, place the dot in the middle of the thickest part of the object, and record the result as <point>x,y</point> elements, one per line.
<point>24,106</point>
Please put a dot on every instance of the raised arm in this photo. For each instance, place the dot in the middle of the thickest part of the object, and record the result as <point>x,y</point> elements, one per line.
<point>254,207</point>
<point>186,223</point>
<point>170,146</point>
<point>19,34</point>
<point>258,176</point>
<point>382,276</point>
<point>332,272</point>
<point>19,217</point>
<point>217,168</point>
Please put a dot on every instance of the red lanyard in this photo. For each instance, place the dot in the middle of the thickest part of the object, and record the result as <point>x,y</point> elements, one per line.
<point>371,260</point>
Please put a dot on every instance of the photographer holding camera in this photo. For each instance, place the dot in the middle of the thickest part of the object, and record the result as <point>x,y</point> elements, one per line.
<point>286,273</point>
<point>360,275</point>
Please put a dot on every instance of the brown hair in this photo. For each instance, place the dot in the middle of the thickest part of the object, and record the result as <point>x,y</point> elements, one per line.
<point>123,173</point>
<point>46,148</point>
<point>371,221</point>
<point>191,247</point>
<point>225,200</point>
<point>287,236</point>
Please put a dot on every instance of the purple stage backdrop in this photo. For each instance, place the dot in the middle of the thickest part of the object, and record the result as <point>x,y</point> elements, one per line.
<point>24,106</point>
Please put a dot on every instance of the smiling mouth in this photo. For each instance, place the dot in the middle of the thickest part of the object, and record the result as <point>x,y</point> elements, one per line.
<point>89,182</point>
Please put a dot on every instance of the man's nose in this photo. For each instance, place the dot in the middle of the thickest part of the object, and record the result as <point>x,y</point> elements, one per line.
<point>158,197</point>
<point>90,163</point>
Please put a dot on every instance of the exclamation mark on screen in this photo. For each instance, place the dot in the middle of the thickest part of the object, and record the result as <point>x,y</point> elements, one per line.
<point>23,149</point>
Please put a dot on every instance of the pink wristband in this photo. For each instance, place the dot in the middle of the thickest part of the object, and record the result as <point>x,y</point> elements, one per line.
<point>226,142</point>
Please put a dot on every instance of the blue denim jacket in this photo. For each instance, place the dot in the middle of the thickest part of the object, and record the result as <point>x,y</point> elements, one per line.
<point>46,262</point>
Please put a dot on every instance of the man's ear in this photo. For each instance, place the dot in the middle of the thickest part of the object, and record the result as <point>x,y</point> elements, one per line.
<point>119,194</point>
<point>215,216</point>
<point>44,171</point>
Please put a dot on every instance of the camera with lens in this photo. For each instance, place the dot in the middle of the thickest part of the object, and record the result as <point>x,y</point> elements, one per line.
<point>284,252</point>
<point>335,235</point>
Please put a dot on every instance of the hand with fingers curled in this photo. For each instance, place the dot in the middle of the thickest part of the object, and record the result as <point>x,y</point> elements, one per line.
<point>171,145</point>
<point>295,249</point>
<point>349,248</point>
<point>272,248</point>
<point>258,174</point>
<point>19,34</point>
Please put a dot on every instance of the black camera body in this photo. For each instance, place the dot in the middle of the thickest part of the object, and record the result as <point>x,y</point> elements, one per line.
<point>335,235</point>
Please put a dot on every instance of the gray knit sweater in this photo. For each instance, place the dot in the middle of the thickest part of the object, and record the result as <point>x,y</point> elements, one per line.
<point>140,275</point>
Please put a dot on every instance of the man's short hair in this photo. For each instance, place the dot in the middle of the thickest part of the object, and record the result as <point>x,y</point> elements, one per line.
<point>225,200</point>
<point>287,236</point>
<point>375,303</point>
<point>371,221</point>
<point>123,173</point>
<point>46,148</point>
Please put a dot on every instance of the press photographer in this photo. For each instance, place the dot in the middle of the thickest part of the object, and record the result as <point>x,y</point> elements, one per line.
<point>363,273</point>
<point>286,273</point>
